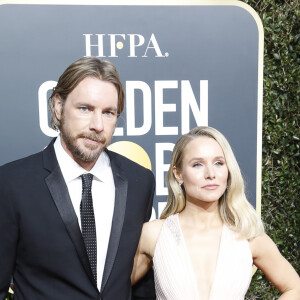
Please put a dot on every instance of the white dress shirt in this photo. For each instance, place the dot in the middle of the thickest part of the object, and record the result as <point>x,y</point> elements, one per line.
<point>103,193</point>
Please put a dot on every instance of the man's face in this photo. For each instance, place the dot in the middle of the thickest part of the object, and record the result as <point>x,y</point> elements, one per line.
<point>88,119</point>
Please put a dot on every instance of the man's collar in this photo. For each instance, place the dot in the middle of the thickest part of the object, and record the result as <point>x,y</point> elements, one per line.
<point>71,169</point>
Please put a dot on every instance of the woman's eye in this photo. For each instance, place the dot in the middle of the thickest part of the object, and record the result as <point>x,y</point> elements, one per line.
<point>219,163</point>
<point>197,165</point>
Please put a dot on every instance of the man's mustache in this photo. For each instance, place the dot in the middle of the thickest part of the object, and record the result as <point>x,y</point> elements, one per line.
<point>99,138</point>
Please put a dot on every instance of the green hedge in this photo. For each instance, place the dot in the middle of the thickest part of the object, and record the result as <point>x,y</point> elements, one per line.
<point>280,170</point>
<point>280,173</point>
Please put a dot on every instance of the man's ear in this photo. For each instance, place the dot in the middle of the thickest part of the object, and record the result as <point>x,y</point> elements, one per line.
<point>177,174</point>
<point>58,106</point>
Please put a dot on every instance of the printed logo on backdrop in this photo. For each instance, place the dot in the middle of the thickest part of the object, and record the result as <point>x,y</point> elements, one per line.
<point>192,67</point>
<point>147,46</point>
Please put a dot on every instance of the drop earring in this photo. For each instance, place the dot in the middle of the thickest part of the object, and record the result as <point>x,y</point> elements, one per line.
<point>180,188</point>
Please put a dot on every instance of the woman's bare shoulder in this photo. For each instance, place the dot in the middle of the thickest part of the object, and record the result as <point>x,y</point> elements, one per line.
<point>150,234</point>
<point>260,244</point>
<point>153,228</point>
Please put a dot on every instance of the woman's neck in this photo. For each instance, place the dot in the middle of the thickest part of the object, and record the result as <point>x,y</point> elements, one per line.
<point>201,214</point>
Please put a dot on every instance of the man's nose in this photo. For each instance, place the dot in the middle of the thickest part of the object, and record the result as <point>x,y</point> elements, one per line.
<point>96,122</point>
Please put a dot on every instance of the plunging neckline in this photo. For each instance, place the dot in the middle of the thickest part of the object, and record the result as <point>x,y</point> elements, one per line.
<point>193,275</point>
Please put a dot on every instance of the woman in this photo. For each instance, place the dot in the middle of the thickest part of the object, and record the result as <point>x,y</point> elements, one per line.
<point>209,235</point>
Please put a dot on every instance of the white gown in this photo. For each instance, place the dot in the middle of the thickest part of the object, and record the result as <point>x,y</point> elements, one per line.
<point>174,276</point>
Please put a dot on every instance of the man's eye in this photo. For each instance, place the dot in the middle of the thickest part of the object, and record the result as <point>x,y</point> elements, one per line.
<point>109,113</point>
<point>83,109</point>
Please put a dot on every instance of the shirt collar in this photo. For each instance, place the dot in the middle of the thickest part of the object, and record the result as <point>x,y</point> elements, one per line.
<point>72,170</point>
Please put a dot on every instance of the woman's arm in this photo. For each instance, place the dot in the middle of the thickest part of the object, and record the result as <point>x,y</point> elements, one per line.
<point>145,250</point>
<point>278,270</point>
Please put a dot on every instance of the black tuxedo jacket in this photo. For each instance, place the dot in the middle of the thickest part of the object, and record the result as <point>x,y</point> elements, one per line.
<point>40,240</point>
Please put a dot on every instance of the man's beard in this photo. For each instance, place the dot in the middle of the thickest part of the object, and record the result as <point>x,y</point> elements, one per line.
<point>82,154</point>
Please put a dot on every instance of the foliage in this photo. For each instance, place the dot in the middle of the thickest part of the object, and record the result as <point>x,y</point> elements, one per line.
<point>281,134</point>
<point>280,170</point>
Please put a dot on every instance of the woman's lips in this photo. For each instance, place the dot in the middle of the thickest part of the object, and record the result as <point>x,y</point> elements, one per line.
<point>210,187</point>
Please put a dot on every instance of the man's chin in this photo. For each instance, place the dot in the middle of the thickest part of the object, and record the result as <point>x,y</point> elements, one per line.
<point>88,153</point>
<point>88,157</point>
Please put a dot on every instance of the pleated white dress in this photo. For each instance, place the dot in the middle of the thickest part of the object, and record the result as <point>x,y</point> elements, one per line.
<point>175,278</point>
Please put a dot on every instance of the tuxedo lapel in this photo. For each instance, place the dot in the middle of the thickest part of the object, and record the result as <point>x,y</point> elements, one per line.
<point>121,185</point>
<point>61,197</point>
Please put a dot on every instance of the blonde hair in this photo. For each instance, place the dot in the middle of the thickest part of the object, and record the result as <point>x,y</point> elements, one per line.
<point>235,210</point>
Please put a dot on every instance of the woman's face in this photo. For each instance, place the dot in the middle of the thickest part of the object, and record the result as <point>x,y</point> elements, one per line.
<point>204,171</point>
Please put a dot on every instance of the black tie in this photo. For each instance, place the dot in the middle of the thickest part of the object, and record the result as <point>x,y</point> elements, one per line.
<point>88,227</point>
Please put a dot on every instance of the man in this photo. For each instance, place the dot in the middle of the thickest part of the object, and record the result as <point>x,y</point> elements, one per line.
<point>71,215</point>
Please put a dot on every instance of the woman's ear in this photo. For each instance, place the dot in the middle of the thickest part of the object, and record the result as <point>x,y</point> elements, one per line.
<point>177,175</point>
<point>58,106</point>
